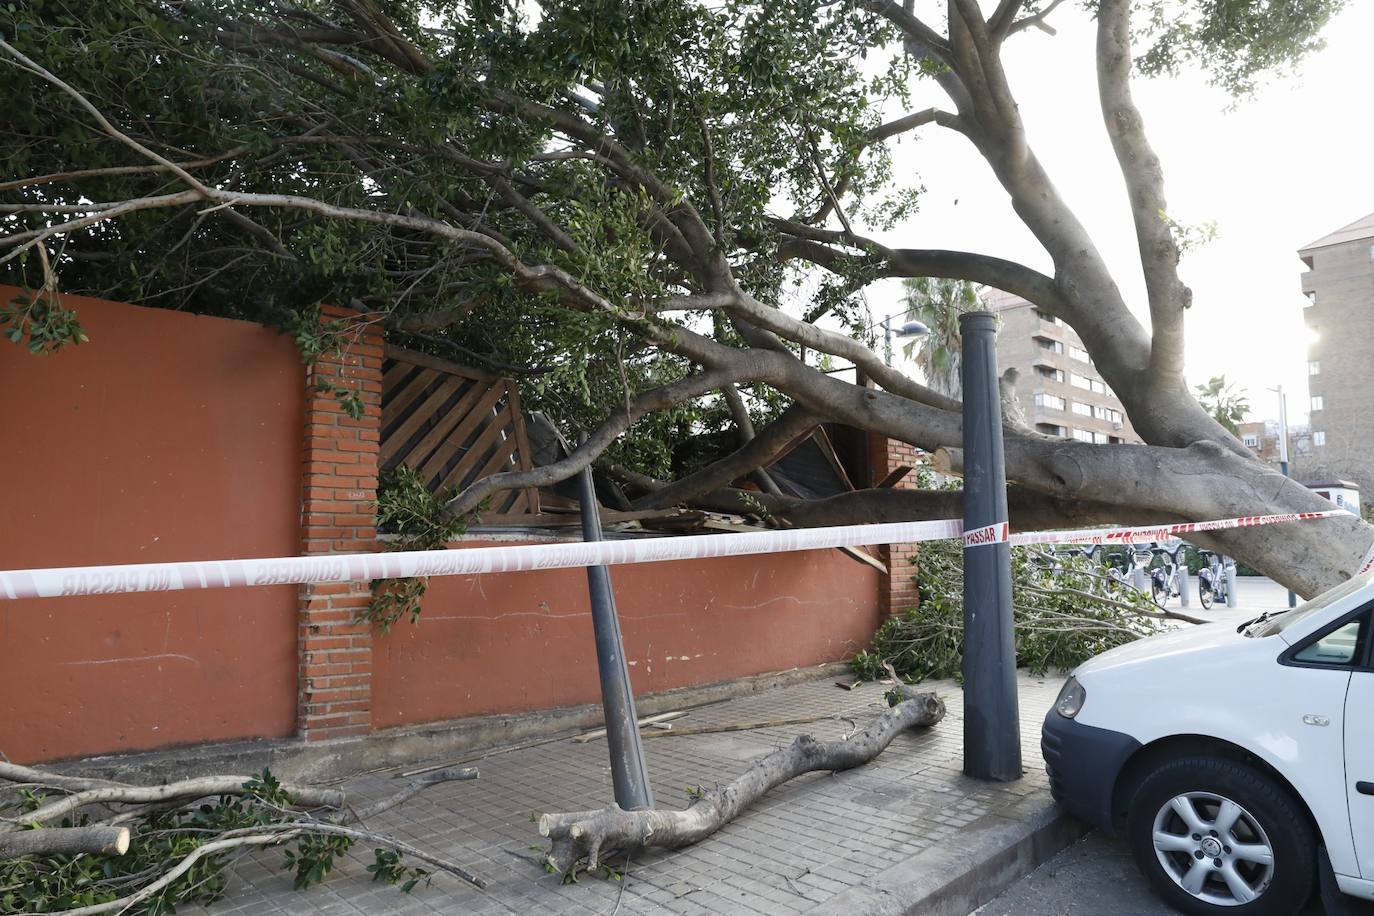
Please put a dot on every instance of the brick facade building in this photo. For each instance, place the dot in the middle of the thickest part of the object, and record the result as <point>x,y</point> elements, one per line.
<point>1339,285</point>
<point>1060,390</point>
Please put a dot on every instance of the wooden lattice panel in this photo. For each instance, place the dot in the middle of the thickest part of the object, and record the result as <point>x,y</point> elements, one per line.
<point>454,425</point>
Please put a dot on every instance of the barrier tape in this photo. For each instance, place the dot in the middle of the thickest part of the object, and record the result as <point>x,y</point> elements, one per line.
<point>1368,562</point>
<point>990,534</point>
<point>1164,532</point>
<point>361,567</point>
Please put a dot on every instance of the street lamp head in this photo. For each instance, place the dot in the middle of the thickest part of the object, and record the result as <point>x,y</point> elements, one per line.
<point>911,329</point>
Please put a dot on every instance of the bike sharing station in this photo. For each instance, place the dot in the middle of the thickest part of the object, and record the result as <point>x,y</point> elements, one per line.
<point>991,748</point>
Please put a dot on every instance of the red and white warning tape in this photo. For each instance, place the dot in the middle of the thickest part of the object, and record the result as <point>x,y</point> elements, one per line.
<point>1164,532</point>
<point>360,567</point>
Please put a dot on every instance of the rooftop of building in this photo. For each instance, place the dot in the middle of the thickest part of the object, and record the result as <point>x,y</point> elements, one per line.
<point>1360,229</point>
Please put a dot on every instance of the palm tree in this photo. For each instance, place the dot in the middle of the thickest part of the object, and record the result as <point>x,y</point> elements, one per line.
<point>1223,401</point>
<point>937,303</point>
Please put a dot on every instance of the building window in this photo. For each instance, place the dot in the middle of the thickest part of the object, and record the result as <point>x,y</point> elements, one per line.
<point>1086,435</point>
<point>1314,367</point>
<point>1052,401</point>
<point>1079,354</point>
<point>1089,384</point>
<point>1318,437</point>
<point>1371,252</point>
<point>1083,410</point>
<point>1046,316</point>
<point>1050,429</point>
<point>1052,346</point>
<point>1109,414</point>
<point>1251,441</point>
<point>1316,402</point>
<point>1054,375</point>
<point>1115,440</point>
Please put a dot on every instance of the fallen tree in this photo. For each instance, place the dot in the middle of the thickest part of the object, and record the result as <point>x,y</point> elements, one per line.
<point>614,209</point>
<point>590,836</point>
<point>124,848</point>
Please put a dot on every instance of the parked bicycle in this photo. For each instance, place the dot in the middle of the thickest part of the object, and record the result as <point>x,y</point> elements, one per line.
<point>1213,582</point>
<point>1166,580</point>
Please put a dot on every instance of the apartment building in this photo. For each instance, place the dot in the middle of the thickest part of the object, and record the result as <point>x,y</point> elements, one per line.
<point>1339,285</point>
<point>1060,390</point>
<point>1262,438</point>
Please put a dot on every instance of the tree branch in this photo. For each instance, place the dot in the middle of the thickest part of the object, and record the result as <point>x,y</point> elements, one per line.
<point>792,423</point>
<point>1144,175</point>
<point>619,421</point>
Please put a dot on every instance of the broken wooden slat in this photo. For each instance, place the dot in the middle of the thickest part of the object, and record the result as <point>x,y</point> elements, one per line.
<point>647,720</point>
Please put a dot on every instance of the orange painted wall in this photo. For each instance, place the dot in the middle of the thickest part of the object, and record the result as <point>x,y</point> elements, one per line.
<point>521,641</point>
<point>168,436</point>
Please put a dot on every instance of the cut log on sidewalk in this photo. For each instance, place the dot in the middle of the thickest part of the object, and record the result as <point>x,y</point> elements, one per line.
<point>590,834</point>
<point>65,841</point>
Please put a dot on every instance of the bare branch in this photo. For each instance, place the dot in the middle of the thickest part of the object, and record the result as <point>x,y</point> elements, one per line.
<point>794,422</point>
<point>1144,176</point>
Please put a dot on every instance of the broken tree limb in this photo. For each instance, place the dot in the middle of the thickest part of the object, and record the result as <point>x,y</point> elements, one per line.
<point>305,796</point>
<point>65,841</point>
<point>13,772</point>
<point>587,834</point>
<point>448,774</point>
<point>647,720</point>
<point>739,726</point>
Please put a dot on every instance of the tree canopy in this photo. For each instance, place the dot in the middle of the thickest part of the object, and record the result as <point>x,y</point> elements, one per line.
<point>659,213</point>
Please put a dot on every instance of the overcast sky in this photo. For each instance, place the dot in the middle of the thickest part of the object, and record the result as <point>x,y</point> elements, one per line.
<point>1275,173</point>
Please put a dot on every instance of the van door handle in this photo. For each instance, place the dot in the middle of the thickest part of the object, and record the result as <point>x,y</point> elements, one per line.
<point>1365,788</point>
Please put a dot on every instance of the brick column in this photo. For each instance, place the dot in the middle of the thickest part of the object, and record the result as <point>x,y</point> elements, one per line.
<point>339,490</point>
<point>898,591</point>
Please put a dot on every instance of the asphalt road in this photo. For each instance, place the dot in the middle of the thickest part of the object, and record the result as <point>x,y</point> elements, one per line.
<point>1096,875</point>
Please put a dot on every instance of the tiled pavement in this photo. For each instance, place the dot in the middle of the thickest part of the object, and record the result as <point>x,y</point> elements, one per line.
<point>799,846</point>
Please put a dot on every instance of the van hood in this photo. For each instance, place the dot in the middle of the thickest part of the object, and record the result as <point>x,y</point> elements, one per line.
<point>1210,637</point>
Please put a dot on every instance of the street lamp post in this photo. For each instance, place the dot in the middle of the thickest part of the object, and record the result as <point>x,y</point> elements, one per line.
<point>992,731</point>
<point>1283,455</point>
<point>906,329</point>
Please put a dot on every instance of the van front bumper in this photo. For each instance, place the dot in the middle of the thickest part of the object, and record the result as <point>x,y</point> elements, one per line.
<point>1084,763</point>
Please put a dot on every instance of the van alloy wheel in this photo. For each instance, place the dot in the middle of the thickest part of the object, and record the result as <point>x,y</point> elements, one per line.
<point>1213,848</point>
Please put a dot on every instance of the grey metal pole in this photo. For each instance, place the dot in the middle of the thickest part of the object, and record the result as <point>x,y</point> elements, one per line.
<point>1283,457</point>
<point>992,727</point>
<point>629,775</point>
<point>1229,570</point>
<point>1182,563</point>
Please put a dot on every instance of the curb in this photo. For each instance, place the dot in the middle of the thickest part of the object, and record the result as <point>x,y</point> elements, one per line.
<point>956,878</point>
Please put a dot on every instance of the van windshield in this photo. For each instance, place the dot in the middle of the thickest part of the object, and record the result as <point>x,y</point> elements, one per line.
<point>1274,622</point>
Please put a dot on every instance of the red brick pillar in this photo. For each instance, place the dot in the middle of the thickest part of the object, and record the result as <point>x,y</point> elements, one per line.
<point>898,591</point>
<point>339,490</point>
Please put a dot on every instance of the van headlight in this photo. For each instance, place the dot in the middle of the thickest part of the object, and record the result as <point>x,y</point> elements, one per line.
<point>1071,697</point>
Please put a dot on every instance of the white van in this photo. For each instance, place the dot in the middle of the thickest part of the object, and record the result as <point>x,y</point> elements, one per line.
<point>1233,756</point>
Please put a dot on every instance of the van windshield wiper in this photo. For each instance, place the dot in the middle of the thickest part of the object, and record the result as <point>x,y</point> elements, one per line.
<point>1245,629</point>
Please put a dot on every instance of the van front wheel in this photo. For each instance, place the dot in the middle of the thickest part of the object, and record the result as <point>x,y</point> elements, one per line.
<point>1217,836</point>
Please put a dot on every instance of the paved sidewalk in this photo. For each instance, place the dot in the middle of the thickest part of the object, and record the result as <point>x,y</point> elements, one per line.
<point>855,840</point>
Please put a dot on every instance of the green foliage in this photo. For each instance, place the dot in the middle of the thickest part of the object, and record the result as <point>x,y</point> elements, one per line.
<point>389,868</point>
<point>1061,619</point>
<point>1223,401</point>
<point>316,337</point>
<point>1236,41</point>
<point>159,841</point>
<point>37,321</point>
<point>418,520</point>
<point>938,303</point>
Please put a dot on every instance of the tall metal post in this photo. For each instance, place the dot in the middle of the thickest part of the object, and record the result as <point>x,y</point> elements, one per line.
<point>629,775</point>
<point>1283,457</point>
<point>992,728</point>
